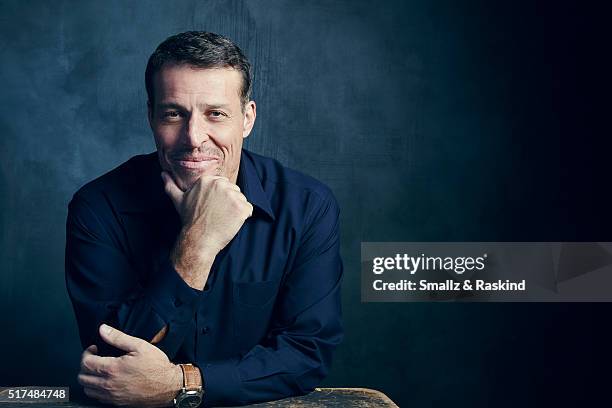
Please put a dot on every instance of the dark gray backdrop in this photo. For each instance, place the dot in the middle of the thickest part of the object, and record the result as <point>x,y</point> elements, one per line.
<point>430,120</point>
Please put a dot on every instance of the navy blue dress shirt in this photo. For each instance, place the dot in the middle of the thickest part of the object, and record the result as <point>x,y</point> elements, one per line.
<point>269,317</point>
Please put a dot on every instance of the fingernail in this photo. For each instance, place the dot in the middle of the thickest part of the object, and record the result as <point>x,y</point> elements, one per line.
<point>106,329</point>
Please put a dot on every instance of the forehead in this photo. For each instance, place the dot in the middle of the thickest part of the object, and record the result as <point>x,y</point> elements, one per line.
<point>185,82</point>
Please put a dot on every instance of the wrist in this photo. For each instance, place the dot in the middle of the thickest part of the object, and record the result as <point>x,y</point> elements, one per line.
<point>176,382</point>
<point>191,392</point>
<point>191,247</point>
<point>192,262</point>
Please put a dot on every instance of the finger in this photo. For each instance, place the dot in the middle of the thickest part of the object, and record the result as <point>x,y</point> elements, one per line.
<point>119,339</point>
<point>96,365</point>
<point>175,193</point>
<point>209,179</point>
<point>91,350</point>
<point>91,381</point>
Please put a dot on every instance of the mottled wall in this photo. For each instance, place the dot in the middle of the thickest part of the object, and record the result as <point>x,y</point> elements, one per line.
<point>430,120</point>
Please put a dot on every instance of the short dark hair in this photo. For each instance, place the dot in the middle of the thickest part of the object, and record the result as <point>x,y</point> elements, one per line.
<point>200,49</point>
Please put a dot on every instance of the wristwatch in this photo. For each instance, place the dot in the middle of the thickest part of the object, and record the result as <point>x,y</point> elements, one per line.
<point>190,396</point>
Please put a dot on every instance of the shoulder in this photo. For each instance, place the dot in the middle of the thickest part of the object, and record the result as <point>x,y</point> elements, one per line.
<point>274,175</point>
<point>118,186</point>
<point>294,196</point>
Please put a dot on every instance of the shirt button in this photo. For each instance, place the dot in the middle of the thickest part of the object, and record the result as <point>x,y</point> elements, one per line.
<point>205,330</point>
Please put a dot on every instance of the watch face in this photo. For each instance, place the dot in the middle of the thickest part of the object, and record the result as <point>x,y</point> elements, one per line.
<point>190,401</point>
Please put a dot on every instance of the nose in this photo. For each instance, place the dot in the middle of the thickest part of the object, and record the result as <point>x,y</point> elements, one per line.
<point>196,131</point>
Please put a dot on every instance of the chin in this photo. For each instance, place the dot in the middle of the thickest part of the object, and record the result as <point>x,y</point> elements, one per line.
<point>185,180</point>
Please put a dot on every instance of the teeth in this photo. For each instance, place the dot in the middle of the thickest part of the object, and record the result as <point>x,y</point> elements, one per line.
<point>196,164</point>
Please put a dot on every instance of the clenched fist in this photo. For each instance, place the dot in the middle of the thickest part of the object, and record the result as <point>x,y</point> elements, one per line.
<point>212,212</point>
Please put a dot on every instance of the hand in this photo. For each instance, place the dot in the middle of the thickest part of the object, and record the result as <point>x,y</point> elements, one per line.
<point>143,376</point>
<point>212,212</point>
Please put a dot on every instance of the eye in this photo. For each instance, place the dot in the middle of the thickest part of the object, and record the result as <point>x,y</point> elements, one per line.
<point>217,114</point>
<point>171,115</point>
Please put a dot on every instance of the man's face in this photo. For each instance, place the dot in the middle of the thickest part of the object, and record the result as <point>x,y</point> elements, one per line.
<point>198,122</point>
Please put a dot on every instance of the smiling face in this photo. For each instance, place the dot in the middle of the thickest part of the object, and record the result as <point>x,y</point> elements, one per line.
<point>199,122</point>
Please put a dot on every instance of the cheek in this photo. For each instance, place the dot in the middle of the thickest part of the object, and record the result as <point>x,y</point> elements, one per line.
<point>233,154</point>
<point>166,137</point>
<point>165,141</point>
<point>227,141</point>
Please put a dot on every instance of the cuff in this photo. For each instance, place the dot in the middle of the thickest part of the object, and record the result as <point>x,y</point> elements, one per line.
<point>221,383</point>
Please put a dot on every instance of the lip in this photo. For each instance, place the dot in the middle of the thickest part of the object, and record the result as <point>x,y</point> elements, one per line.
<point>200,163</point>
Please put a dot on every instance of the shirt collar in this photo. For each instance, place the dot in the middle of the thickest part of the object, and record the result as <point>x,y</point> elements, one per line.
<point>250,184</point>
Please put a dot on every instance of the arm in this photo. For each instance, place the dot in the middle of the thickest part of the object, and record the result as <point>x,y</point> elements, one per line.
<point>144,375</point>
<point>296,354</point>
<point>104,287</point>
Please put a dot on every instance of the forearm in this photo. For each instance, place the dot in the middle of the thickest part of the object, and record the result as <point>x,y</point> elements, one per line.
<point>158,312</point>
<point>193,267</point>
<point>193,258</point>
<point>105,287</point>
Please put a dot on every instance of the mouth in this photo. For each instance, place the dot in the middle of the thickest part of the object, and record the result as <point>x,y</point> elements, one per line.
<point>196,163</point>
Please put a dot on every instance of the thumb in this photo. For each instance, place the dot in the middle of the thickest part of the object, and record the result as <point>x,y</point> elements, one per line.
<point>119,339</point>
<point>175,193</point>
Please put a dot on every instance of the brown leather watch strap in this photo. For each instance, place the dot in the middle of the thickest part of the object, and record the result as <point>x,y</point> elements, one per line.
<point>192,380</point>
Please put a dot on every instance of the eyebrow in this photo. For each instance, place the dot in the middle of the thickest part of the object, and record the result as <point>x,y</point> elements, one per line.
<point>203,106</point>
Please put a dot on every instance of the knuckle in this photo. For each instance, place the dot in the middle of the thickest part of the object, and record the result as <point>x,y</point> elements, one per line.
<point>139,347</point>
<point>107,384</point>
<point>110,370</point>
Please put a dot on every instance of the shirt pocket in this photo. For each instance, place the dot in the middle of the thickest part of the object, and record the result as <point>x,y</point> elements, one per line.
<point>253,308</point>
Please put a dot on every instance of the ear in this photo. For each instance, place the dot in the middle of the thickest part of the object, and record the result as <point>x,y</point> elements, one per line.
<point>250,113</point>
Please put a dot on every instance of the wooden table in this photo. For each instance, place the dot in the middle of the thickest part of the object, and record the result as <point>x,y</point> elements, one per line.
<point>319,398</point>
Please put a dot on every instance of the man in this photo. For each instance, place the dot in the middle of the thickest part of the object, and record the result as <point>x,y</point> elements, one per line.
<point>203,271</point>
